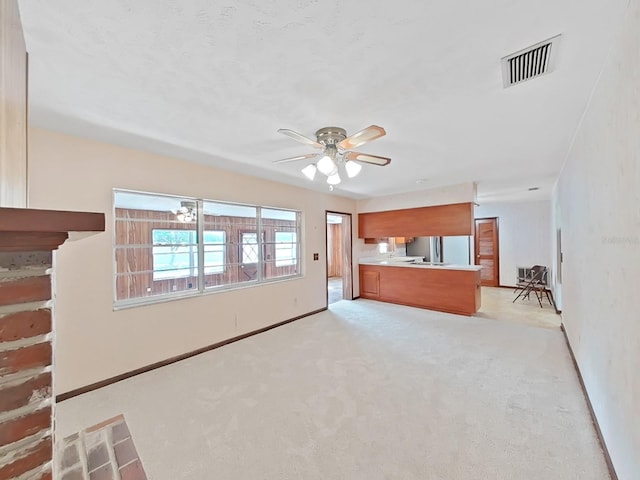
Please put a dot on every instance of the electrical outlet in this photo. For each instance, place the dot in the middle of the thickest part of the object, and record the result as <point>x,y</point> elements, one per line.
<point>316,256</point>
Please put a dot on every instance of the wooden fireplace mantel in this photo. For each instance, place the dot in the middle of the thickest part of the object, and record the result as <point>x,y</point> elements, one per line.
<point>29,229</point>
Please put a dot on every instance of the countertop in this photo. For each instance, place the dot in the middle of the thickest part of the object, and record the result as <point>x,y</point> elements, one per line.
<point>407,263</point>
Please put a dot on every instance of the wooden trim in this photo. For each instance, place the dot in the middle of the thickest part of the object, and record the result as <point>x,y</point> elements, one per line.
<point>594,419</point>
<point>49,221</point>
<point>123,376</point>
<point>31,241</point>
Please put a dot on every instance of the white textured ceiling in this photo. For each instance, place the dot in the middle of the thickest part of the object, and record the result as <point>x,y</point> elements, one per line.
<point>212,81</point>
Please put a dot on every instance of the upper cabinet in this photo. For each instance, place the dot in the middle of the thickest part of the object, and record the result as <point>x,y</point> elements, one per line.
<point>439,220</point>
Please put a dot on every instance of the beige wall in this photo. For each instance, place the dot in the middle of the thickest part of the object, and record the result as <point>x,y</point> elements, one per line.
<point>461,193</point>
<point>92,341</point>
<point>597,209</point>
<point>13,108</point>
<point>524,233</point>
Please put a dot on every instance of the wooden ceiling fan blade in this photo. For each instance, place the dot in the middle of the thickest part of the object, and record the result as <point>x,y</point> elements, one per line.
<point>366,158</point>
<point>363,136</point>
<point>295,159</point>
<point>300,138</point>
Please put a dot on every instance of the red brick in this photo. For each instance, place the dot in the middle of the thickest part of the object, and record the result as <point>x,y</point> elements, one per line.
<point>23,290</point>
<point>133,471</point>
<point>25,358</point>
<point>38,455</point>
<point>20,395</point>
<point>25,325</point>
<point>22,427</point>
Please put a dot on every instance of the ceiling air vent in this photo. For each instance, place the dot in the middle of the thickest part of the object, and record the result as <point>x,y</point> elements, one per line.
<point>529,63</point>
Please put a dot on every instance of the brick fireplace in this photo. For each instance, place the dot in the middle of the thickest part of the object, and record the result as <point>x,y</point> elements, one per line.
<point>28,239</point>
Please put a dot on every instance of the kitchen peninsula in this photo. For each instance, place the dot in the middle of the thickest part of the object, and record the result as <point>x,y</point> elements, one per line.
<point>409,281</point>
<point>447,288</point>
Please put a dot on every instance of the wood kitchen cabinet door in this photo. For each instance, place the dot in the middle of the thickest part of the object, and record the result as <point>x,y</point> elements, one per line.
<point>369,284</point>
<point>439,220</point>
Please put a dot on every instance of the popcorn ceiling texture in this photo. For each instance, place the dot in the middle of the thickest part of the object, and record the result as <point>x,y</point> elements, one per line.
<point>213,81</point>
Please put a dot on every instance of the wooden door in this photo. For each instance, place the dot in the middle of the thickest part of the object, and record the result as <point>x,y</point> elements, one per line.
<point>249,257</point>
<point>487,251</point>
<point>334,250</point>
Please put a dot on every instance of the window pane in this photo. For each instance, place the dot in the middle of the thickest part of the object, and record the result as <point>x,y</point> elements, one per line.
<point>174,237</point>
<point>137,285</point>
<point>214,236</point>
<point>219,209</point>
<point>272,214</point>
<point>285,248</point>
<point>249,248</point>
<point>175,254</point>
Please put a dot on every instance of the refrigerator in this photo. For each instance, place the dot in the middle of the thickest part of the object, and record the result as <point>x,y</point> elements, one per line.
<point>428,247</point>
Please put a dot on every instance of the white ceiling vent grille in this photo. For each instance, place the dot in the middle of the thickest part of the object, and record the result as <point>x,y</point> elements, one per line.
<point>530,63</point>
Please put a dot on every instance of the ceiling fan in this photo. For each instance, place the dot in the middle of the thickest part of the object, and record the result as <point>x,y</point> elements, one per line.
<point>336,154</point>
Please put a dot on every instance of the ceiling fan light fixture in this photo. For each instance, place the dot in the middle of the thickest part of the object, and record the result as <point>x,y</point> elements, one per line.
<point>309,171</point>
<point>336,159</point>
<point>326,165</point>
<point>352,168</point>
<point>333,179</point>
<point>188,211</point>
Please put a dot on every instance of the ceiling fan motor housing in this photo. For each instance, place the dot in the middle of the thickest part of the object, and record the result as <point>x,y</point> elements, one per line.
<point>331,135</point>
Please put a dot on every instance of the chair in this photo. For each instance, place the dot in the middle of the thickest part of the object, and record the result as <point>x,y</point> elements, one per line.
<point>536,282</point>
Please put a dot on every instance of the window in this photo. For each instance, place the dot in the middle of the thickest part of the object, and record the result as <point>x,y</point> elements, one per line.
<point>286,249</point>
<point>168,246</point>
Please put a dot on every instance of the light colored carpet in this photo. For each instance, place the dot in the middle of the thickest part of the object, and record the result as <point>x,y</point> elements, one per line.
<point>366,390</point>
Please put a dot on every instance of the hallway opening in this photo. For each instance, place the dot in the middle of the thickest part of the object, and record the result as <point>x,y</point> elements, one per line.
<point>339,269</point>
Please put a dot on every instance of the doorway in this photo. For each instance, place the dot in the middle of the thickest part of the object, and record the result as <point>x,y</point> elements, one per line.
<point>339,268</point>
<point>487,251</point>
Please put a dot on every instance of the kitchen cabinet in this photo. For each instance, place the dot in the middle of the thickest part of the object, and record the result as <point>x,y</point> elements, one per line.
<point>369,284</point>
<point>398,240</point>
<point>443,289</point>
<point>439,220</point>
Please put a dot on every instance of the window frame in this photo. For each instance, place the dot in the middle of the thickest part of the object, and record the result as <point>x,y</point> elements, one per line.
<point>203,289</point>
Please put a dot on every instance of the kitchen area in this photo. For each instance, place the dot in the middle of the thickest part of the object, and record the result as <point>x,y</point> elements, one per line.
<point>424,258</point>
